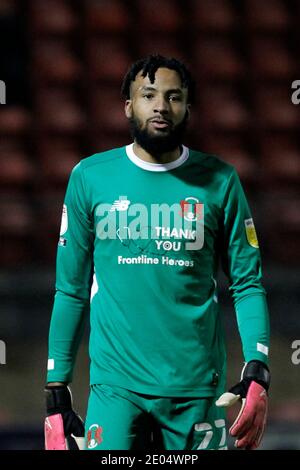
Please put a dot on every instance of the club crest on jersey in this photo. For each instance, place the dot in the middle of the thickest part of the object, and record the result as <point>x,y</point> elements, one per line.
<point>94,436</point>
<point>251,233</point>
<point>191,209</point>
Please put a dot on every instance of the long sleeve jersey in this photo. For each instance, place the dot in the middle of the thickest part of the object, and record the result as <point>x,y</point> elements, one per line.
<point>139,249</point>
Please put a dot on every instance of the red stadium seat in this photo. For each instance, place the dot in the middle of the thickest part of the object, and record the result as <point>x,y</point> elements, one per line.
<point>16,251</point>
<point>213,15</point>
<point>107,59</point>
<point>273,108</point>
<point>159,16</point>
<point>233,150</point>
<point>111,16</point>
<point>15,166</point>
<point>14,120</point>
<point>52,17</point>
<point>221,108</point>
<point>50,206</point>
<point>105,98</point>
<point>280,159</point>
<point>105,141</point>
<point>218,59</point>
<point>57,110</point>
<point>16,214</point>
<point>266,16</point>
<point>283,225</point>
<point>57,156</point>
<point>54,61</point>
<point>271,59</point>
<point>164,45</point>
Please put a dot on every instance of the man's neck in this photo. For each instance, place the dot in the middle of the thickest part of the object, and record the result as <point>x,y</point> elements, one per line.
<point>161,158</point>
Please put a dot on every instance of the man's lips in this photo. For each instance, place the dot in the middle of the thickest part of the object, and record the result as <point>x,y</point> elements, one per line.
<point>160,123</point>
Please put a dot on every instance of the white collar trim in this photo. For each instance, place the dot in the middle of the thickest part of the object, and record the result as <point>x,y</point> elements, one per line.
<point>157,166</point>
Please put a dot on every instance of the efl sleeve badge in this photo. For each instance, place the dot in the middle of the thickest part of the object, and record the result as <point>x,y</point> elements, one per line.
<point>251,233</point>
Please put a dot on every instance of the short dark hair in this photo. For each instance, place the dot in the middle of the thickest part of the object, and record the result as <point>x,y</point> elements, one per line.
<point>149,66</point>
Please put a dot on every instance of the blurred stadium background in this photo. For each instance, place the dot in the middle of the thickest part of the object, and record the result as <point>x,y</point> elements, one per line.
<point>63,63</point>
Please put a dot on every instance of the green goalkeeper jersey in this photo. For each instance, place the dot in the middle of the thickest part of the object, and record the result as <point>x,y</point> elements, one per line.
<point>139,249</point>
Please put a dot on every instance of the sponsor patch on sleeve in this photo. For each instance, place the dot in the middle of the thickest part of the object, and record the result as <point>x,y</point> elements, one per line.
<point>62,241</point>
<point>262,348</point>
<point>251,233</point>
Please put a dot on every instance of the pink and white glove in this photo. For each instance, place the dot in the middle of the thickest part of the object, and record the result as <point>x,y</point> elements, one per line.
<point>251,391</point>
<point>63,428</point>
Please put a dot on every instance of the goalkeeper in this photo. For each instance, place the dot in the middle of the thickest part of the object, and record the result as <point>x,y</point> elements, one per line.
<point>144,228</point>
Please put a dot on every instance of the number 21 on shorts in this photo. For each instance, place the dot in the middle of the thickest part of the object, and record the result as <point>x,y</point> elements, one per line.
<point>213,437</point>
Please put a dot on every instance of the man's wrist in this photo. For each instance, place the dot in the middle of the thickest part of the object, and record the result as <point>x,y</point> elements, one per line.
<point>58,398</point>
<point>56,384</point>
<point>258,371</point>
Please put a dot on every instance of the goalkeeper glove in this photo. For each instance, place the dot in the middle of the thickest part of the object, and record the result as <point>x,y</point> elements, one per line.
<point>64,429</point>
<point>248,428</point>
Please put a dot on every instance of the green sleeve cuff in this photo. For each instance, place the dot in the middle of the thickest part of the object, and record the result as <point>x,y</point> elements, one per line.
<point>254,328</point>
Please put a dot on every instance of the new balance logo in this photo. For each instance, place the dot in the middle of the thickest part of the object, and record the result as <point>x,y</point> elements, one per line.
<point>121,204</point>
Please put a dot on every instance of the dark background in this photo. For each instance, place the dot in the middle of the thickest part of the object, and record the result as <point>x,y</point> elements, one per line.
<point>63,63</point>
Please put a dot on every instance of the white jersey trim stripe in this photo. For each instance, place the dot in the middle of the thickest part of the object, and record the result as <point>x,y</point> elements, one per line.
<point>94,288</point>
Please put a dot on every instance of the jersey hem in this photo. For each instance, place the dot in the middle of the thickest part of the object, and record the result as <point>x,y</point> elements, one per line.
<point>160,391</point>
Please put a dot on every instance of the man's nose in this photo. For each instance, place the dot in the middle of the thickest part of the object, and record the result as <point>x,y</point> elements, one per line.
<point>161,105</point>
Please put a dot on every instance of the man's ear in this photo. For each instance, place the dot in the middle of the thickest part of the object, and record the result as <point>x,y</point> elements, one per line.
<point>188,110</point>
<point>128,109</point>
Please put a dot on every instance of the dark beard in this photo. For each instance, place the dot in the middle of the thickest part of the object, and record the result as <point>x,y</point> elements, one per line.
<point>156,145</point>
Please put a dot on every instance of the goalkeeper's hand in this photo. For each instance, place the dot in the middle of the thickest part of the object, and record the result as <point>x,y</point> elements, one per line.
<point>64,429</point>
<point>248,428</point>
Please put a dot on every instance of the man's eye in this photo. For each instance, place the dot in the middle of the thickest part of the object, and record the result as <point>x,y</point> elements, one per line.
<point>174,98</point>
<point>148,96</point>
